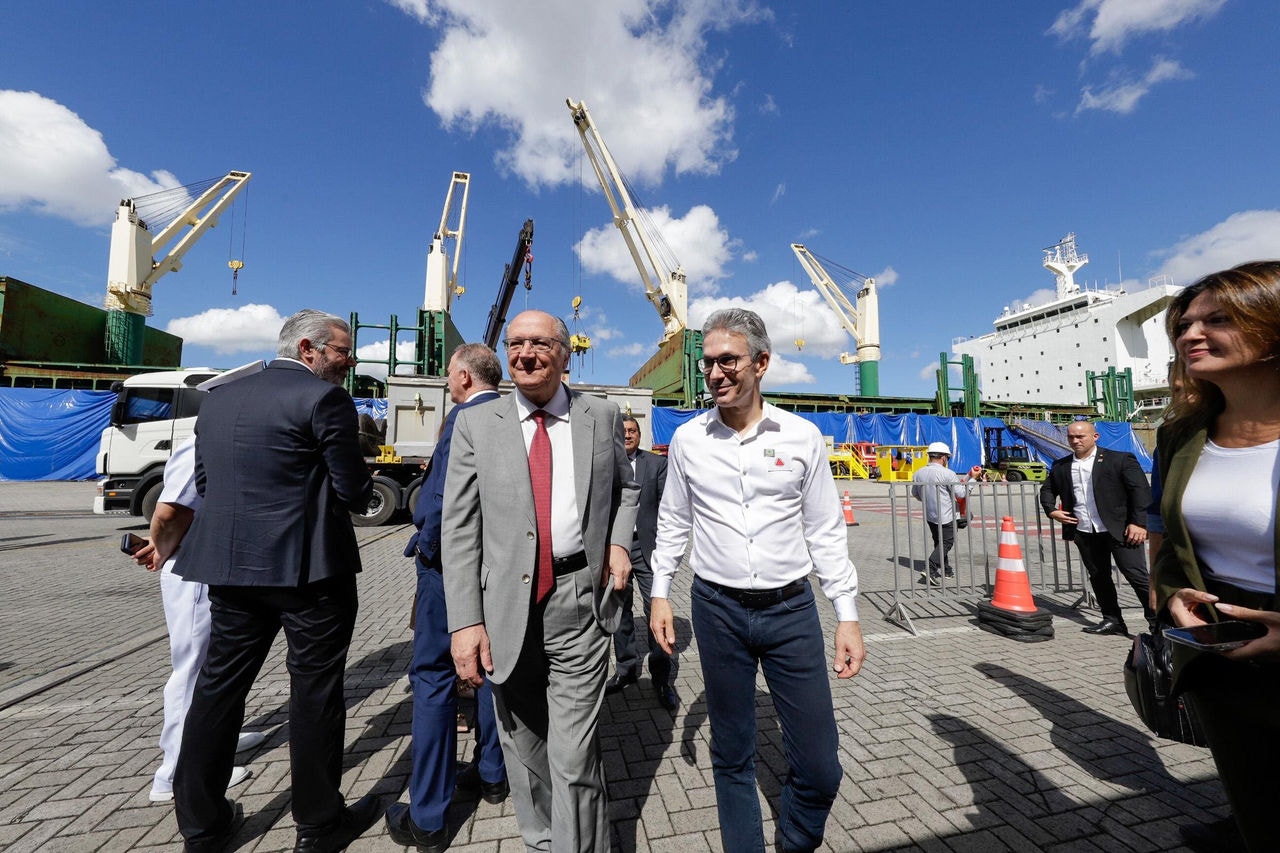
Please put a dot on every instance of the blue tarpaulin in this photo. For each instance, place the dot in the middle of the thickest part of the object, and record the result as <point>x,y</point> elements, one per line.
<point>54,434</point>
<point>51,434</point>
<point>962,435</point>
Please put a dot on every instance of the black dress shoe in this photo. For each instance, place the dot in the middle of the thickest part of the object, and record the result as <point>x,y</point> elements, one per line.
<point>617,681</point>
<point>469,782</point>
<point>666,696</point>
<point>1221,836</point>
<point>405,832</point>
<point>355,820</point>
<point>217,842</point>
<point>1108,625</point>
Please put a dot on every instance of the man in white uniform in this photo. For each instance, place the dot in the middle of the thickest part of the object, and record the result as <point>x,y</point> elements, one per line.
<point>186,606</point>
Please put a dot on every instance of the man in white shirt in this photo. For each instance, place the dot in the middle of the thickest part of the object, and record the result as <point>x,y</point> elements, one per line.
<point>750,483</point>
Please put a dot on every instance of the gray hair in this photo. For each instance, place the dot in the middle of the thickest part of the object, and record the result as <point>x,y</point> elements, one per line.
<point>562,332</point>
<point>741,321</point>
<point>315,326</point>
<point>481,362</point>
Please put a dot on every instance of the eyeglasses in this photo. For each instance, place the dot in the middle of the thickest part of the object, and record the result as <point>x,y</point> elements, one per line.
<point>728,364</point>
<point>345,352</point>
<point>540,345</point>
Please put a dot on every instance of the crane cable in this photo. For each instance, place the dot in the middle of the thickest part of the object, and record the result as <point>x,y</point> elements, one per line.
<point>237,263</point>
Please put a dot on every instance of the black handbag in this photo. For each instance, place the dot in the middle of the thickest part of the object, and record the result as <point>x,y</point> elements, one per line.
<point>1148,679</point>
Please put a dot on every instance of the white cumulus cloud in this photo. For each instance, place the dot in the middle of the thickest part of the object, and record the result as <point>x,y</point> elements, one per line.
<point>643,69</point>
<point>1250,235</point>
<point>379,350</point>
<point>1109,24</point>
<point>887,277</point>
<point>788,313</point>
<point>249,328</point>
<point>696,240</point>
<point>54,163</point>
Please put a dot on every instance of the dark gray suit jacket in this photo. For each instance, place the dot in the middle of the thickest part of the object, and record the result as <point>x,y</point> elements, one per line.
<point>278,464</point>
<point>651,475</point>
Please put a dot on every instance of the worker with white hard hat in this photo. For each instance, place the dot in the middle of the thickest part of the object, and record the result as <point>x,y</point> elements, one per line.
<point>938,488</point>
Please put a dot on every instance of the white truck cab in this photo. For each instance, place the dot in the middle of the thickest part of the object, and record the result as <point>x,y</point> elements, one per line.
<point>153,413</point>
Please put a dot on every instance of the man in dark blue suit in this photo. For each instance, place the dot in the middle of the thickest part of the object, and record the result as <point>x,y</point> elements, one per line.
<point>474,373</point>
<point>650,472</point>
<point>279,467</point>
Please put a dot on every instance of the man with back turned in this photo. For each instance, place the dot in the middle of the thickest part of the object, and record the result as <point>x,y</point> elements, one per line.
<point>279,467</point>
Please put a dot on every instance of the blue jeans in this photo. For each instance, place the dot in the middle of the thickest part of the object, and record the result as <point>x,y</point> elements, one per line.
<point>786,641</point>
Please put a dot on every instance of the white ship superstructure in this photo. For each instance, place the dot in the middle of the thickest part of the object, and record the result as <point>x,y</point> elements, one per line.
<point>1041,353</point>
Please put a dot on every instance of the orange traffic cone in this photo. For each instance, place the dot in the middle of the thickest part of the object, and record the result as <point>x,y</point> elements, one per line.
<point>1013,587</point>
<point>846,506</point>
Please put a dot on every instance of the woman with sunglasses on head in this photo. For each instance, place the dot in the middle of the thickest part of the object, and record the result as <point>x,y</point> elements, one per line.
<point>1220,465</point>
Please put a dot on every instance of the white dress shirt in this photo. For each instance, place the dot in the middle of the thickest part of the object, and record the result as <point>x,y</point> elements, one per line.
<point>566,521</point>
<point>750,501</point>
<point>1086,508</point>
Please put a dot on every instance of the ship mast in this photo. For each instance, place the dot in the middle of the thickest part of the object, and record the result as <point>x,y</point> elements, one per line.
<point>1062,260</point>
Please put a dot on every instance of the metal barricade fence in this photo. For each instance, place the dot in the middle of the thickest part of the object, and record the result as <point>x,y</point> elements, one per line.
<point>1051,564</point>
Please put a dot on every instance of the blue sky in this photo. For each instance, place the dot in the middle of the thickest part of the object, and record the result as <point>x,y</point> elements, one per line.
<point>938,146</point>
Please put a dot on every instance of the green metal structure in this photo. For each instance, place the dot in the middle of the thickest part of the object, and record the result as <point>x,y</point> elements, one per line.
<point>970,402</point>
<point>50,341</point>
<point>1113,391</point>
<point>435,338</point>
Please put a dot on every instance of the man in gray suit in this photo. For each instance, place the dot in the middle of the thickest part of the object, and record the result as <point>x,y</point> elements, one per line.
<point>537,563</point>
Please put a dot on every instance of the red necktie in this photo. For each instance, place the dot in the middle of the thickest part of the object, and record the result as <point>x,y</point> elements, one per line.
<point>540,478</point>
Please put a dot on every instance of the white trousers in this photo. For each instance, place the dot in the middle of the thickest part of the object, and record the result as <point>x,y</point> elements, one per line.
<point>186,613</point>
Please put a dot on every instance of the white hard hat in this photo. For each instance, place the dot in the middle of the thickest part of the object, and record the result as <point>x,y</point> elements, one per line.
<point>938,448</point>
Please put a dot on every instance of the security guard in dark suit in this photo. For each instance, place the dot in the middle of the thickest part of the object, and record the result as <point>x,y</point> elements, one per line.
<point>1104,498</point>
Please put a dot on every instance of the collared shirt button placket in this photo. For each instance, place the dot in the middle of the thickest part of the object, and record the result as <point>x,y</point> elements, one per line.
<point>748,529</point>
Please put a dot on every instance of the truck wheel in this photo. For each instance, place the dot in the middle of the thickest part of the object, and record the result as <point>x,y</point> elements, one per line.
<point>1015,477</point>
<point>381,506</point>
<point>150,498</point>
<point>412,500</point>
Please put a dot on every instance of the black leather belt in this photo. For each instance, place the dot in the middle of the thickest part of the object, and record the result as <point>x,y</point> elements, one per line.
<point>758,599</point>
<point>570,564</point>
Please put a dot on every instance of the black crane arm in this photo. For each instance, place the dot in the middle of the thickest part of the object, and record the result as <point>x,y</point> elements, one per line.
<point>507,289</point>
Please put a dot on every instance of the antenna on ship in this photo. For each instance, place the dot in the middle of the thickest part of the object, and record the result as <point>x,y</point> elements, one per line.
<point>1062,260</point>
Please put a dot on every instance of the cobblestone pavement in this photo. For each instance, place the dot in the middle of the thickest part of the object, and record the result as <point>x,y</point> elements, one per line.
<point>952,740</point>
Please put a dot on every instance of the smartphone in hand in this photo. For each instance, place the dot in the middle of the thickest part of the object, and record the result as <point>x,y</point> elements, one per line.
<point>1217,636</point>
<point>130,543</point>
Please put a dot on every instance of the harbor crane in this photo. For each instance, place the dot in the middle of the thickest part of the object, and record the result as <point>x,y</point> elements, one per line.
<point>664,282</point>
<point>442,279</point>
<point>522,258</point>
<point>135,264</point>
<point>861,319</point>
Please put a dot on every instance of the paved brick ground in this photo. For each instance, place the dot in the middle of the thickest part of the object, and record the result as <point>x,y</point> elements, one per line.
<point>952,740</point>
